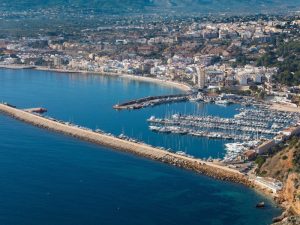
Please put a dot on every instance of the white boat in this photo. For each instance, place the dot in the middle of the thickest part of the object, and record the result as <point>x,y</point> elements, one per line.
<point>194,99</point>
<point>152,118</point>
<point>154,128</point>
<point>197,98</point>
<point>222,102</point>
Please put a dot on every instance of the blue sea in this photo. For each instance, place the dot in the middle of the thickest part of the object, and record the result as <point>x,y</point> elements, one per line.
<point>48,178</point>
<point>88,100</point>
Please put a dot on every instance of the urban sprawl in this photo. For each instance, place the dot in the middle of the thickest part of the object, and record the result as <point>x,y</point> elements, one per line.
<point>245,60</point>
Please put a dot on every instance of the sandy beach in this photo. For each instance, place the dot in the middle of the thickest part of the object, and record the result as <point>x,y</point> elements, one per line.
<point>174,84</point>
<point>286,108</point>
<point>181,86</point>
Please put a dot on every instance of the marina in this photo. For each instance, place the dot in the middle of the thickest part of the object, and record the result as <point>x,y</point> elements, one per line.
<point>222,100</point>
<point>71,156</point>
<point>249,128</point>
<point>94,115</point>
<point>150,112</point>
<point>198,133</point>
<point>123,143</point>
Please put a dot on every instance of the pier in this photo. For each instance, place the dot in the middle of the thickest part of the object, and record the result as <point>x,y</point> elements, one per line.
<point>140,149</point>
<point>151,101</point>
<point>254,129</point>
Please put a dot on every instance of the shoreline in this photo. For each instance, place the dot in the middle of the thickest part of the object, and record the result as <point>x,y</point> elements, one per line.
<point>210,169</point>
<point>284,108</point>
<point>140,149</point>
<point>196,165</point>
<point>174,84</point>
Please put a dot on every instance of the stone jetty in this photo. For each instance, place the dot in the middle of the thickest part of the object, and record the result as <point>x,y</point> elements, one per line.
<point>139,149</point>
<point>151,101</point>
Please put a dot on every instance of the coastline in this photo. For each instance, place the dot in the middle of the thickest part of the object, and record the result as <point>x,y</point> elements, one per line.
<point>211,169</point>
<point>140,149</point>
<point>180,86</point>
<point>202,167</point>
<point>174,84</point>
<point>285,108</point>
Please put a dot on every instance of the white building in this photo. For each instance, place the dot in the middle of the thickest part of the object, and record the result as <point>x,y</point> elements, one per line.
<point>269,183</point>
<point>201,77</point>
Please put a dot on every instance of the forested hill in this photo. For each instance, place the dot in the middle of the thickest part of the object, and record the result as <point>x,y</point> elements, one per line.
<point>123,6</point>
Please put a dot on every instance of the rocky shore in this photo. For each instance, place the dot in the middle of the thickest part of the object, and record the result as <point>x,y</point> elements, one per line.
<point>283,165</point>
<point>292,220</point>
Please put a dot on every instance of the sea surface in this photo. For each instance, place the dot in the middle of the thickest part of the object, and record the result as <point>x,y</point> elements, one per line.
<point>88,100</point>
<point>48,178</point>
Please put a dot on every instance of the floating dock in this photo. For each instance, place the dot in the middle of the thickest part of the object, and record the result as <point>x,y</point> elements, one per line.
<point>207,168</point>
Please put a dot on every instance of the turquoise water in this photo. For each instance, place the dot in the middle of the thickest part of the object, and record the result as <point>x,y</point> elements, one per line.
<point>88,99</point>
<point>48,178</point>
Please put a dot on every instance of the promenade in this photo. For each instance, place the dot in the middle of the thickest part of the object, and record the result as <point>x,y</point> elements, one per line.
<point>139,149</point>
<point>174,84</point>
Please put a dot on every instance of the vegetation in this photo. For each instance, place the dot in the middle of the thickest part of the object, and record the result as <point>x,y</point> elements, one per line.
<point>260,161</point>
<point>296,159</point>
<point>257,93</point>
<point>282,162</point>
<point>287,58</point>
<point>237,92</point>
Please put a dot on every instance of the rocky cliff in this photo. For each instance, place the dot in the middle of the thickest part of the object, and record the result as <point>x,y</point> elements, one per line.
<point>293,220</point>
<point>284,165</point>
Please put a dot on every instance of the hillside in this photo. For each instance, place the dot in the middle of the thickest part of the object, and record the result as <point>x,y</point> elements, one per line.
<point>285,166</point>
<point>289,221</point>
<point>289,68</point>
<point>123,6</point>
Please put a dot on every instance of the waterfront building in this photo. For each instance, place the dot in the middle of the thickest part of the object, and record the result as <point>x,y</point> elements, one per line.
<point>201,77</point>
<point>291,131</point>
<point>269,183</point>
<point>265,147</point>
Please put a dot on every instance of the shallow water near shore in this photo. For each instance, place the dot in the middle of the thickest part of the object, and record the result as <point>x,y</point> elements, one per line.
<point>48,178</point>
<point>88,99</point>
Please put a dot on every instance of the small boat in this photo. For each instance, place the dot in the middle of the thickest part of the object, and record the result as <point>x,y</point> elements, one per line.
<point>208,100</point>
<point>222,102</point>
<point>9,105</point>
<point>193,99</point>
<point>260,205</point>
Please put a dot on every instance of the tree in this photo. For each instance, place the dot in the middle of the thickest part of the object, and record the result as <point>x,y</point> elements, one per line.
<point>260,161</point>
<point>261,95</point>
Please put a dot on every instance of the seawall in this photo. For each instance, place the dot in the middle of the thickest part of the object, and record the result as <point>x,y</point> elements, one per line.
<point>139,149</point>
<point>151,101</point>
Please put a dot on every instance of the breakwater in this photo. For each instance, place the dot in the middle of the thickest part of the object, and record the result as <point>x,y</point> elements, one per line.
<point>151,101</point>
<point>140,149</point>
